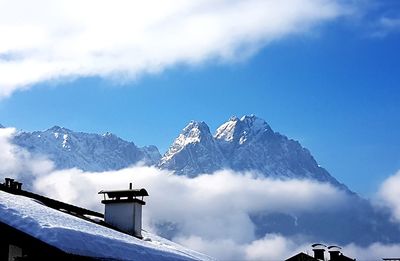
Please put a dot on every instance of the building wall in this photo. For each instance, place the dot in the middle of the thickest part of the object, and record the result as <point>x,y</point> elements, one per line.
<point>138,219</point>
<point>126,216</point>
<point>14,252</point>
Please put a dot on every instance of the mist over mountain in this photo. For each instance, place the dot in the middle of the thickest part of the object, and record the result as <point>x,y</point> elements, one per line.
<point>246,144</point>
<point>240,144</point>
<point>249,144</point>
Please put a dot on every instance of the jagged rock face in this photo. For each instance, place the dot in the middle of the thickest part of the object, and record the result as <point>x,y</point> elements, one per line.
<point>194,151</point>
<point>245,144</point>
<point>242,144</point>
<point>151,154</point>
<point>89,152</point>
<point>249,143</point>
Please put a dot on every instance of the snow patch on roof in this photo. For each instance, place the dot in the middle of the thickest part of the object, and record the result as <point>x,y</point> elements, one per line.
<point>80,237</point>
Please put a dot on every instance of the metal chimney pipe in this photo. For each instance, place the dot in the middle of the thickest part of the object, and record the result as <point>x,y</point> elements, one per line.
<point>319,254</point>
<point>130,186</point>
<point>13,184</point>
<point>9,181</point>
<point>334,252</point>
<point>334,255</point>
<point>18,185</point>
<point>319,251</point>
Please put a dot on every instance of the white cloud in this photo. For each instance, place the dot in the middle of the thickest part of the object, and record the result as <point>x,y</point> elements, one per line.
<point>389,195</point>
<point>211,212</point>
<point>17,162</point>
<point>46,40</point>
<point>197,204</point>
<point>271,247</point>
<point>391,23</point>
<point>275,247</point>
<point>373,252</point>
<point>386,25</point>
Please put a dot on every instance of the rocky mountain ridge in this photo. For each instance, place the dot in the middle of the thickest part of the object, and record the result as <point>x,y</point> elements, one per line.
<point>241,144</point>
<point>86,151</point>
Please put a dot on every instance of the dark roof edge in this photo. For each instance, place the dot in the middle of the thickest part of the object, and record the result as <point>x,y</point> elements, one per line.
<point>113,201</point>
<point>52,203</point>
<point>125,193</point>
<point>64,207</point>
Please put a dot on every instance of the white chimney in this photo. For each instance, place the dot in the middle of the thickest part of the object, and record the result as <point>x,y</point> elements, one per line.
<point>123,209</point>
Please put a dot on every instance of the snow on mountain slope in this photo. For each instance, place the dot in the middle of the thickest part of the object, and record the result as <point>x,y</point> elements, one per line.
<point>245,144</point>
<point>194,151</point>
<point>151,154</point>
<point>249,144</point>
<point>255,146</point>
<point>89,152</point>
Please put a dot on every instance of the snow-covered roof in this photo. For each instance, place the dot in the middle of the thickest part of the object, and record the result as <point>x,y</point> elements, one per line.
<point>77,236</point>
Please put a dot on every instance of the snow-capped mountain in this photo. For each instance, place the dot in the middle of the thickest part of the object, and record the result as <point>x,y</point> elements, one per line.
<point>245,144</point>
<point>240,144</point>
<point>86,151</point>
<point>1,126</point>
<point>249,144</point>
<point>194,151</point>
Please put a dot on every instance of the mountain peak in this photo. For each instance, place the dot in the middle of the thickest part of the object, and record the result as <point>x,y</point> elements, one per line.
<point>255,123</point>
<point>233,118</point>
<point>192,151</point>
<point>56,128</point>
<point>239,129</point>
<point>194,132</point>
<point>200,125</point>
<point>1,126</point>
<point>250,118</point>
<point>109,135</point>
<point>241,144</point>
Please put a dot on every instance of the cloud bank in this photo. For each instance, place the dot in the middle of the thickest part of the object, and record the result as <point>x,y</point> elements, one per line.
<point>16,162</point>
<point>209,213</point>
<point>198,205</point>
<point>47,40</point>
<point>389,195</point>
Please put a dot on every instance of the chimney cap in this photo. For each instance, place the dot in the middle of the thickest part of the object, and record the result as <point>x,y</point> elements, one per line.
<point>318,245</point>
<point>125,193</point>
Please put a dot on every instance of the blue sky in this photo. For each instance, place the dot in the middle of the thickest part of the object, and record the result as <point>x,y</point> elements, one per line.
<point>333,85</point>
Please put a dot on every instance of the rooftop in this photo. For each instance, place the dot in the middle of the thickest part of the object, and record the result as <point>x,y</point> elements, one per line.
<point>79,234</point>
